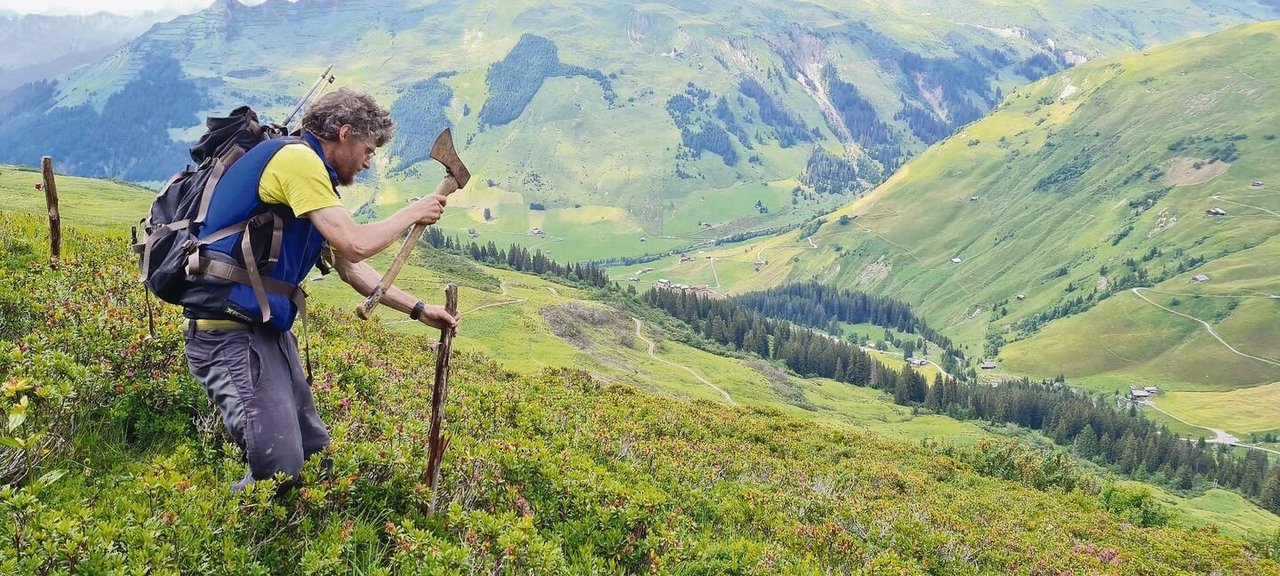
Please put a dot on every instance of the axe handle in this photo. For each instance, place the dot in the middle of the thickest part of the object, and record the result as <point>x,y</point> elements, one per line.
<point>365,311</point>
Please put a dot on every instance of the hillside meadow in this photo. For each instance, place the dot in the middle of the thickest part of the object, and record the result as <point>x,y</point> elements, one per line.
<point>1026,234</point>
<point>509,316</point>
<point>549,472</point>
<point>513,318</point>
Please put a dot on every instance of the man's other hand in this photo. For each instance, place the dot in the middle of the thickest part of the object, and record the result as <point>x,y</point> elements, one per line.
<point>438,317</point>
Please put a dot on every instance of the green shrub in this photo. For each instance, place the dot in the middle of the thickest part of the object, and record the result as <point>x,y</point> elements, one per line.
<point>1135,504</point>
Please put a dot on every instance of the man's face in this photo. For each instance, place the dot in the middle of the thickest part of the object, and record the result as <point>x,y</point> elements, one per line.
<point>353,155</point>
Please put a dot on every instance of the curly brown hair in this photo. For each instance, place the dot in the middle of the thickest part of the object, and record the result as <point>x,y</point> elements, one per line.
<point>346,106</point>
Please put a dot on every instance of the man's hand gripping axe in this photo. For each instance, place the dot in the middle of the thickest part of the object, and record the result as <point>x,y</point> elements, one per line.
<point>456,177</point>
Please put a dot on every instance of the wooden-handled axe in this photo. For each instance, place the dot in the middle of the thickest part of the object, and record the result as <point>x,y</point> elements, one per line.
<point>456,177</point>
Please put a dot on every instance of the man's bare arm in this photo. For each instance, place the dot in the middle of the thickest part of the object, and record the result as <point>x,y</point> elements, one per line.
<point>356,242</point>
<point>363,278</point>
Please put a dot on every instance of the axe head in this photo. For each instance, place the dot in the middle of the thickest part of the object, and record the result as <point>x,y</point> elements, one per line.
<point>444,153</point>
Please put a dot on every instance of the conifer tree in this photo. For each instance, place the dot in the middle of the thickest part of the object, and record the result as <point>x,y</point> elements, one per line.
<point>1271,492</point>
<point>1086,443</point>
<point>933,398</point>
<point>902,390</point>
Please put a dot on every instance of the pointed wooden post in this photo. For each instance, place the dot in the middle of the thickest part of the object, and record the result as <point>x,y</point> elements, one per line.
<point>436,442</point>
<point>55,221</point>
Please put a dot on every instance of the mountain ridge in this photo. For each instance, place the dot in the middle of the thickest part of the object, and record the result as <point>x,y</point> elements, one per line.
<point>801,85</point>
<point>41,47</point>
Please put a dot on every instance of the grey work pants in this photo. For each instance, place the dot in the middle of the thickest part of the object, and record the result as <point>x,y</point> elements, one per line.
<point>256,380</point>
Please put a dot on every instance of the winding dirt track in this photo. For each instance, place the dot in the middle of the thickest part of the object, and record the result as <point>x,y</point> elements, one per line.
<point>727,397</point>
<point>1138,292</point>
<point>503,284</point>
<point>1271,212</point>
<point>1222,437</point>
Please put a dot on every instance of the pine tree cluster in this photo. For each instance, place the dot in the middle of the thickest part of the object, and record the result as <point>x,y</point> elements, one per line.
<point>1093,427</point>
<point>824,307</point>
<point>1124,440</point>
<point>520,259</point>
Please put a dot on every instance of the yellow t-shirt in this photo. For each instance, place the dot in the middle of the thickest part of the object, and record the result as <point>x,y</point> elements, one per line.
<point>296,177</point>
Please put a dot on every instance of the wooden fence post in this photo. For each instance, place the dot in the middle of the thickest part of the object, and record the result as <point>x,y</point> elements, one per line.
<point>55,221</point>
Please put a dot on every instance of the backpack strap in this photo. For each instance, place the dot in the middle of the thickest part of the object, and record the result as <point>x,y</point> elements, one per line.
<point>146,245</point>
<point>220,165</point>
<point>176,176</point>
<point>255,277</point>
<point>259,220</point>
<point>239,275</point>
<point>206,195</point>
<point>198,264</point>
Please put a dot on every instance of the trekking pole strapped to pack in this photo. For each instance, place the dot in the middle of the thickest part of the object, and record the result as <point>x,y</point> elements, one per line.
<point>311,94</point>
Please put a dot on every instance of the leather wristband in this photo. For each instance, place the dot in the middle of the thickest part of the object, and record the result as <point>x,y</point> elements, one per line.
<point>417,310</point>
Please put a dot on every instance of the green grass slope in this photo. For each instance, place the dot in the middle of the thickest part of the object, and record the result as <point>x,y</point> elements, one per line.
<point>547,473</point>
<point>1083,186</point>
<point>83,202</point>
<point>529,324</point>
<point>526,323</point>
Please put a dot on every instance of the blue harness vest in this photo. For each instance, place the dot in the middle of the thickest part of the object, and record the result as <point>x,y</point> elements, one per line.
<point>268,257</point>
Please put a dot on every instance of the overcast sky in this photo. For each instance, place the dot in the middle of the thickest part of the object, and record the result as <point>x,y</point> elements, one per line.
<point>129,7</point>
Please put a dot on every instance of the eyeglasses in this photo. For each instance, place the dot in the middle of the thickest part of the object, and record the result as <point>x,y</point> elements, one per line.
<point>369,149</point>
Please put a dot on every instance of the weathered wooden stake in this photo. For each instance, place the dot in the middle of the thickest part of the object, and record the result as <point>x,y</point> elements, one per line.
<point>436,443</point>
<point>55,221</point>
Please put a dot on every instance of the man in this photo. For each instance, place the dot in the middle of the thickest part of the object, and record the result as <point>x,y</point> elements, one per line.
<point>239,340</point>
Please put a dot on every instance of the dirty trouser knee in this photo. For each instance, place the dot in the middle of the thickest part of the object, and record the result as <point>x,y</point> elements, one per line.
<point>255,378</point>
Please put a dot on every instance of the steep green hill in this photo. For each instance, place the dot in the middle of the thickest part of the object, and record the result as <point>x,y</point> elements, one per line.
<point>1090,195</point>
<point>548,473</point>
<point>636,128</point>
